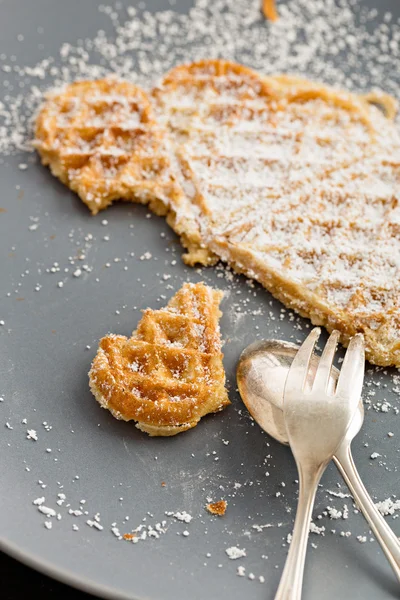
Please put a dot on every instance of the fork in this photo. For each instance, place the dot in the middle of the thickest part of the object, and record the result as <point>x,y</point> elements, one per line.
<point>316,422</point>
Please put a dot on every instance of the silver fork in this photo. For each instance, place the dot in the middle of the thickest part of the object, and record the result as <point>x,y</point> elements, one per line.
<point>316,422</point>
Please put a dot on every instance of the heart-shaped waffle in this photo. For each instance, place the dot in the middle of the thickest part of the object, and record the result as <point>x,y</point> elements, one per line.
<point>169,374</point>
<point>293,183</point>
<point>297,185</point>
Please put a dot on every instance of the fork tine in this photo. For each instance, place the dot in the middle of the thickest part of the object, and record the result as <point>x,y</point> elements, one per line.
<point>352,372</point>
<point>299,368</point>
<point>325,363</point>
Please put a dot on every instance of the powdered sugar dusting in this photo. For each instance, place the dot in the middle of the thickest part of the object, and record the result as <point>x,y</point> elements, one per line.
<point>234,552</point>
<point>305,39</point>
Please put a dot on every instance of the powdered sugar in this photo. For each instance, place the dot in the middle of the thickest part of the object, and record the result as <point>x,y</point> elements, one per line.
<point>303,40</point>
<point>388,506</point>
<point>234,552</point>
<point>31,435</point>
<point>180,516</point>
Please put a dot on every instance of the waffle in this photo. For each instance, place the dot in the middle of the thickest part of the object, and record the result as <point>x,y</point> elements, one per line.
<point>293,183</point>
<point>297,185</point>
<point>101,139</point>
<point>169,374</point>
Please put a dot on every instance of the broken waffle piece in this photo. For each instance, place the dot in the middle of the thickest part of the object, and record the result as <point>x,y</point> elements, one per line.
<point>101,139</point>
<point>169,374</point>
<point>217,508</point>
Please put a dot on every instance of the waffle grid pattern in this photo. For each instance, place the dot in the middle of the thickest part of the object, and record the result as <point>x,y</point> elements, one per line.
<point>169,373</point>
<point>101,139</point>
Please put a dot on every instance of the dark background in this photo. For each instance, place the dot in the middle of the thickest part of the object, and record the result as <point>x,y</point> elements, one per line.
<point>19,581</point>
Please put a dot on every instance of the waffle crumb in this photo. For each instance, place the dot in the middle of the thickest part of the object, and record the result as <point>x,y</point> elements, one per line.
<point>217,508</point>
<point>268,8</point>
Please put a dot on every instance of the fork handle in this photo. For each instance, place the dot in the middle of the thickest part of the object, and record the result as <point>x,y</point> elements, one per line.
<point>291,582</point>
<point>383,533</point>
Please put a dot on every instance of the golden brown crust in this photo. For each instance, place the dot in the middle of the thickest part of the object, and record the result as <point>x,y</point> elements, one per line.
<point>387,103</point>
<point>169,374</point>
<point>381,351</point>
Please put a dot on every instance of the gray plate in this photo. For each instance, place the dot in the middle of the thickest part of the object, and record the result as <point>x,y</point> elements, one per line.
<point>111,465</point>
